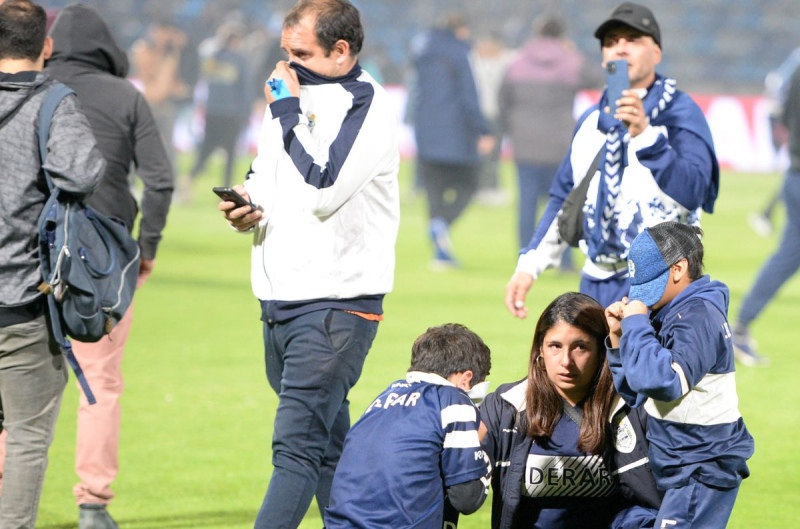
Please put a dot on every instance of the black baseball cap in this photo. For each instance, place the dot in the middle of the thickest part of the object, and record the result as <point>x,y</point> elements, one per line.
<point>633,15</point>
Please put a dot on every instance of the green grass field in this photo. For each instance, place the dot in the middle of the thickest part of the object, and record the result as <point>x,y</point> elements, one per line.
<point>197,411</point>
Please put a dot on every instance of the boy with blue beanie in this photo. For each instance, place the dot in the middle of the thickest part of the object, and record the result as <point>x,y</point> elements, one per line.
<point>676,359</point>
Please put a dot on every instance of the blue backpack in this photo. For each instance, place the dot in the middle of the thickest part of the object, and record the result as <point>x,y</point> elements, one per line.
<point>89,261</point>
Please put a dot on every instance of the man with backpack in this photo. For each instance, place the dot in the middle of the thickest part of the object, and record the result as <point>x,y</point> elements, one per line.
<point>32,371</point>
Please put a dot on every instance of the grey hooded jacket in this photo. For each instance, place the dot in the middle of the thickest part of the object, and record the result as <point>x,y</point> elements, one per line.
<point>73,160</point>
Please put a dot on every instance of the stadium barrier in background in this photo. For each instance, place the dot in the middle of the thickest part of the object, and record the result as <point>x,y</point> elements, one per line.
<point>739,125</point>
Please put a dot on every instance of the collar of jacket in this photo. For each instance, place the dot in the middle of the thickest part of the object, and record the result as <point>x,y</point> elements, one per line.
<point>308,77</point>
<point>516,395</point>
<point>430,378</point>
<point>28,76</point>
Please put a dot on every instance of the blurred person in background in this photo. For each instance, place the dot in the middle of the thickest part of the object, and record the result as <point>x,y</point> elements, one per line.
<point>537,100</point>
<point>262,47</point>
<point>325,188</point>
<point>225,72</point>
<point>489,60</point>
<point>783,264</point>
<point>33,371</point>
<point>776,88</point>
<point>380,65</point>
<point>87,59</point>
<point>156,62</point>
<point>658,164</point>
<point>450,130</point>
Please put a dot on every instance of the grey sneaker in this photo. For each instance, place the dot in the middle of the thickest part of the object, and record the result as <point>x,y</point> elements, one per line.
<point>744,350</point>
<point>95,516</point>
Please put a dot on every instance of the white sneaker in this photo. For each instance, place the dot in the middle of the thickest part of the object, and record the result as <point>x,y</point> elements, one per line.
<point>744,351</point>
<point>493,198</point>
<point>760,224</point>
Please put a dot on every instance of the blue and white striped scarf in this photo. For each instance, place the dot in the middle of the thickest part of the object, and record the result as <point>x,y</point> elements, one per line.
<point>604,240</point>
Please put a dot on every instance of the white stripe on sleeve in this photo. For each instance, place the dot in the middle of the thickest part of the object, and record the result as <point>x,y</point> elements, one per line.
<point>458,413</point>
<point>468,439</point>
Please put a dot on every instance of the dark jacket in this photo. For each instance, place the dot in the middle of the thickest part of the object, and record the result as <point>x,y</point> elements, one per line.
<point>444,107</point>
<point>508,447</point>
<point>791,119</point>
<point>73,161</point>
<point>677,362</point>
<point>227,74</point>
<point>86,58</point>
<point>537,98</point>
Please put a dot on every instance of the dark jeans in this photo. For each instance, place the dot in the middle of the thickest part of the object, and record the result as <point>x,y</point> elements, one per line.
<point>450,188</point>
<point>534,185</point>
<point>697,505</point>
<point>607,291</point>
<point>312,362</point>
<point>784,262</point>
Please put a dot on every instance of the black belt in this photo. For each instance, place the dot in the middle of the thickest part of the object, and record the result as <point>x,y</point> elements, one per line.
<point>21,313</point>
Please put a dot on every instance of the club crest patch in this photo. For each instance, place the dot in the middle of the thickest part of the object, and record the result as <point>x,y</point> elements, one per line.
<point>631,268</point>
<point>624,436</point>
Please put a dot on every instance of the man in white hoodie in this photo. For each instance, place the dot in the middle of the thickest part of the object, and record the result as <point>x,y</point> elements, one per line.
<point>325,218</point>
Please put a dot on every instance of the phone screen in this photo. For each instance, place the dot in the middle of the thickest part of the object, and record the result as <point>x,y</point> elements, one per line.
<point>616,82</point>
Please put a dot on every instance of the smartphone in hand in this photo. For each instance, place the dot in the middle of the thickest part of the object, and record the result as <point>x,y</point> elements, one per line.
<point>616,82</point>
<point>229,194</point>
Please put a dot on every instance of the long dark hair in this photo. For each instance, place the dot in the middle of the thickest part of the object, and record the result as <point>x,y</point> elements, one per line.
<point>544,405</point>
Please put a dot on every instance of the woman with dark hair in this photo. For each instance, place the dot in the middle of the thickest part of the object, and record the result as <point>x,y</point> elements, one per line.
<point>560,440</point>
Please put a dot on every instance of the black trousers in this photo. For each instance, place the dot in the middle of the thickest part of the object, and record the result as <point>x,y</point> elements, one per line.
<point>449,187</point>
<point>223,132</point>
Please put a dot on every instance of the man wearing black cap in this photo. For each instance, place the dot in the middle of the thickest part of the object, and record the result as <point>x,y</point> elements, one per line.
<point>654,161</point>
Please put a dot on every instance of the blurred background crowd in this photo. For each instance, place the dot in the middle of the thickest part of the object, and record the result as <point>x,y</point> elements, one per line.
<point>723,46</point>
<point>716,47</point>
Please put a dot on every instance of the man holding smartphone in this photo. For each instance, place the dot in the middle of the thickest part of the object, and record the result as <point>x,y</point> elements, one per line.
<point>657,164</point>
<point>325,188</point>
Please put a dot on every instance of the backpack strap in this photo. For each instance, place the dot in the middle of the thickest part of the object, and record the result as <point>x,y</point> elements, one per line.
<point>584,185</point>
<point>570,219</point>
<point>55,94</point>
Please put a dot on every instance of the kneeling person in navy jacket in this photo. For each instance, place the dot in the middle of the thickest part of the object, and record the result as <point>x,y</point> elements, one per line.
<point>416,451</point>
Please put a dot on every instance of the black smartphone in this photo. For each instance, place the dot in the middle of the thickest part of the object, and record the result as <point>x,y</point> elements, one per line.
<point>229,194</point>
<point>616,82</point>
